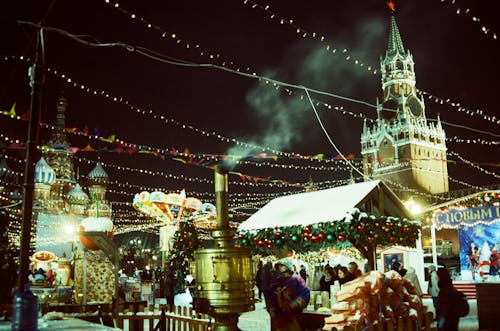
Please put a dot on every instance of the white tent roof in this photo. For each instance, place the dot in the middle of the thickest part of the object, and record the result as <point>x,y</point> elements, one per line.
<point>310,207</point>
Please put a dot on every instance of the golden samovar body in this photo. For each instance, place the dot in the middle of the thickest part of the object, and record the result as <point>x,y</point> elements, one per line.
<point>223,274</point>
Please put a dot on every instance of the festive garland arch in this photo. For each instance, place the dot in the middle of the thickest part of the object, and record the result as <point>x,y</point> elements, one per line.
<point>358,229</point>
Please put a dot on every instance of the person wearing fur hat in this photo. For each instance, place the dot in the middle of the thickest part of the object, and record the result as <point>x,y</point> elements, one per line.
<point>289,295</point>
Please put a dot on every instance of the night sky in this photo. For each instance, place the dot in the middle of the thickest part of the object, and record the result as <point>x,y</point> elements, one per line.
<point>455,60</point>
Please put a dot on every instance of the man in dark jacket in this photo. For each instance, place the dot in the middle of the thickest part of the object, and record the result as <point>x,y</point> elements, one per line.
<point>451,304</point>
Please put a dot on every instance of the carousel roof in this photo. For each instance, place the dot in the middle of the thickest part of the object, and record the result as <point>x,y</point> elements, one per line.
<point>326,205</point>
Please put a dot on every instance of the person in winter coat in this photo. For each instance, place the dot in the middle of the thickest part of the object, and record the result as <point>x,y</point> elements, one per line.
<point>269,275</point>
<point>344,275</point>
<point>289,295</point>
<point>327,280</point>
<point>412,277</point>
<point>451,304</point>
<point>170,287</point>
<point>258,279</point>
<point>433,288</point>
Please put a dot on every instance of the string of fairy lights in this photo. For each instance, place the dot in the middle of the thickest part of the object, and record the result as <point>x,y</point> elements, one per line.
<point>178,177</point>
<point>493,119</point>
<point>202,180</point>
<point>311,35</point>
<point>274,16</point>
<point>126,193</point>
<point>305,34</point>
<point>478,141</point>
<point>337,168</point>
<point>472,164</point>
<point>162,118</point>
<point>474,18</point>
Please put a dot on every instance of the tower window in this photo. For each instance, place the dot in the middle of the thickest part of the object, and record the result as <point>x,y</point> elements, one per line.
<point>399,65</point>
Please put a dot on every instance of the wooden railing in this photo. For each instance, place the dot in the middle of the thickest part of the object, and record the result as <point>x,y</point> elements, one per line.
<point>138,316</point>
<point>176,318</point>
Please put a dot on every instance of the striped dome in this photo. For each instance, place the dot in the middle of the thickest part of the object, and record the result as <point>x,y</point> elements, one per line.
<point>44,174</point>
<point>77,196</point>
<point>98,176</point>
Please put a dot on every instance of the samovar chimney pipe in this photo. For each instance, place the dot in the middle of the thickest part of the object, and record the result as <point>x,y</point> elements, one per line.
<point>221,197</point>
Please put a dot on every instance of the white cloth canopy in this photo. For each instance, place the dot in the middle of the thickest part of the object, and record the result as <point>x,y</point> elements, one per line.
<point>310,207</point>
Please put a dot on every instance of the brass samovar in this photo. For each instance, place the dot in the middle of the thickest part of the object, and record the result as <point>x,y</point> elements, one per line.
<point>223,274</point>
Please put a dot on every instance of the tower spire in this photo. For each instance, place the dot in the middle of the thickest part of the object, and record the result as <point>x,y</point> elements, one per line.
<point>395,42</point>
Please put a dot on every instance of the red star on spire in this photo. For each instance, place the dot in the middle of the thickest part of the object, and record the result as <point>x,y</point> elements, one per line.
<point>392,6</point>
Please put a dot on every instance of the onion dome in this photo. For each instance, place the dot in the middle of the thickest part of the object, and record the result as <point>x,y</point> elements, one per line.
<point>77,196</point>
<point>98,176</point>
<point>44,174</point>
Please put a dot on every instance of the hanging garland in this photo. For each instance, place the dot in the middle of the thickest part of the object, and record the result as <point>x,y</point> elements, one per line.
<point>358,229</point>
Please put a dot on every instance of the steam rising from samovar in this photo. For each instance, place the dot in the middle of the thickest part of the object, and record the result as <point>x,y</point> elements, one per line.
<point>224,280</point>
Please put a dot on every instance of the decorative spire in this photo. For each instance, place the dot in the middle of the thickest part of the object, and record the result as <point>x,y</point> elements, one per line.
<point>62,103</point>
<point>395,43</point>
<point>59,140</point>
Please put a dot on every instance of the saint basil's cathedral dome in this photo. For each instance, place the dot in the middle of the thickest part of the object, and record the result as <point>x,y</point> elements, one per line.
<point>44,174</point>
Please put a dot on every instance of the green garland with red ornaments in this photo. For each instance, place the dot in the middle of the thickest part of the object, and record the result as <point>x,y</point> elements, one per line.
<point>357,229</point>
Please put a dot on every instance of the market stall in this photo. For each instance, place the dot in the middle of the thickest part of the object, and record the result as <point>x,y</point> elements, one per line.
<point>366,216</point>
<point>476,222</point>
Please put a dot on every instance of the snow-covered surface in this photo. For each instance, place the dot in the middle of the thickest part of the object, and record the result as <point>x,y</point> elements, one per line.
<point>99,224</point>
<point>310,207</point>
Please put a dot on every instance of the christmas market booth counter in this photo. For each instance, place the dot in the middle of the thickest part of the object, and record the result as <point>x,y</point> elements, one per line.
<point>51,277</point>
<point>365,216</point>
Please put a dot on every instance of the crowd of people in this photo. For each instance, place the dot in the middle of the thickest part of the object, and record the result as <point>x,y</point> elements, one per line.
<point>328,276</point>
<point>338,273</point>
<point>287,291</point>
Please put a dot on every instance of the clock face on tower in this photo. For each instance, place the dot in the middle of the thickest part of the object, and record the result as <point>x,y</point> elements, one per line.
<point>389,109</point>
<point>414,105</point>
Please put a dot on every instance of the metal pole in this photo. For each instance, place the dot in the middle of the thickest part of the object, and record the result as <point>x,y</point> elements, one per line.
<point>36,82</point>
